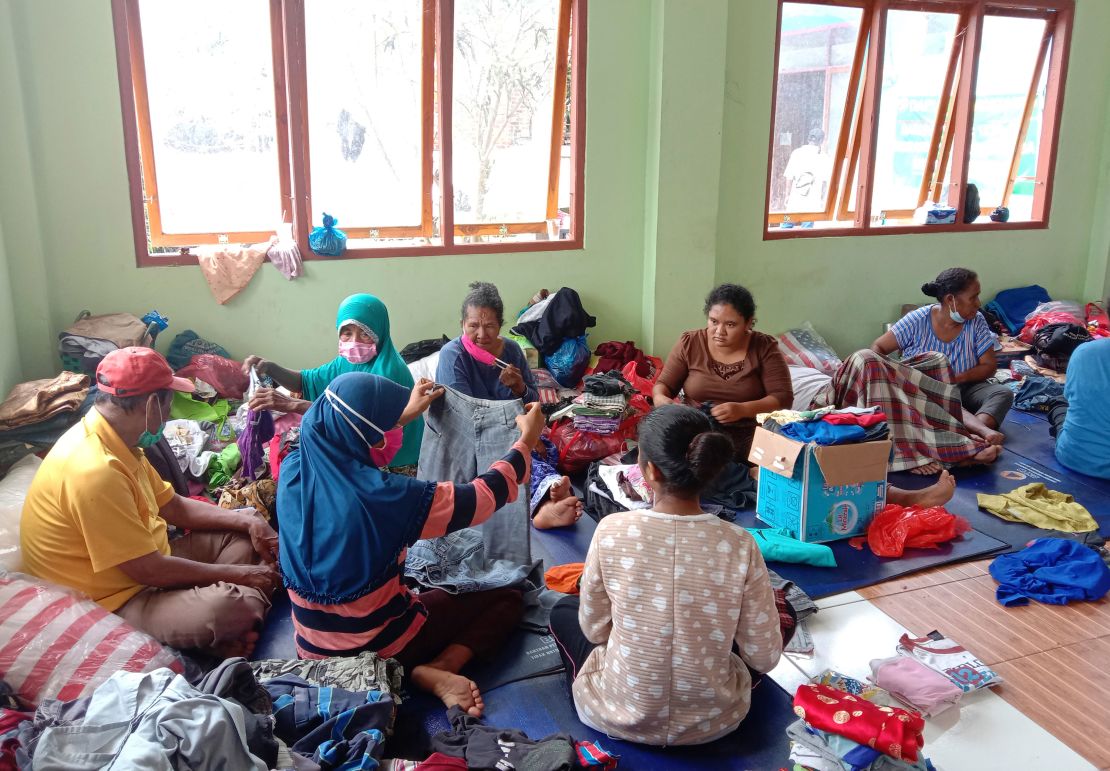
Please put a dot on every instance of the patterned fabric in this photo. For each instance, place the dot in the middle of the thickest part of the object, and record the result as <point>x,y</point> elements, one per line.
<point>922,405</point>
<point>725,371</point>
<point>890,730</point>
<point>364,672</point>
<point>664,597</point>
<point>63,646</point>
<point>915,335</point>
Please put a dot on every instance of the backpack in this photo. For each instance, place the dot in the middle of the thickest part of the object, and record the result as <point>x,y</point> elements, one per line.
<point>1059,341</point>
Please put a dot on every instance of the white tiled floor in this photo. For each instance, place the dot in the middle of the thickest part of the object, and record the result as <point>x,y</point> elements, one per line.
<point>986,735</point>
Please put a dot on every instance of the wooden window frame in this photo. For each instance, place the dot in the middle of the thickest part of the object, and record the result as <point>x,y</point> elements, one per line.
<point>952,131</point>
<point>287,27</point>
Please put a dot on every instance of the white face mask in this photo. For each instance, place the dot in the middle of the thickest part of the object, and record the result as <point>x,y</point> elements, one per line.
<point>336,403</point>
<point>955,315</point>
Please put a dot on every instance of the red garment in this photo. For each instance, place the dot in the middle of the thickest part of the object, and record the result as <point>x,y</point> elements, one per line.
<point>440,762</point>
<point>849,419</point>
<point>890,730</point>
<point>564,578</point>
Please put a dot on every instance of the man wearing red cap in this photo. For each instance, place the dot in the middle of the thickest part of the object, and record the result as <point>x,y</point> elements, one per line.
<point>96,514</point>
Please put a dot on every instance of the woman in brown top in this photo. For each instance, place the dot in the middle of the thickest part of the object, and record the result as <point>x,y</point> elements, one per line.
<point>728,366</point>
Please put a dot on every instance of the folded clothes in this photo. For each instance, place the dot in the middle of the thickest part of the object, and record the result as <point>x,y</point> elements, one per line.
<point>777,545</point>
<point>1050,570</point>
<point>823,433</point>
<point>1036,391</point>
<point>913,683</point>
<point>39,400</point>
<point>866,419</point>
<point>952,660</point>
<point>890,730</point>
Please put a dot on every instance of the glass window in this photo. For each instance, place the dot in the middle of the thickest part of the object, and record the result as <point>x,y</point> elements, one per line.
<point>212,122</point>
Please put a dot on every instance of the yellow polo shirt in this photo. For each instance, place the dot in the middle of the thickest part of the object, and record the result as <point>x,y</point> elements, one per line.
<point>93,504</point>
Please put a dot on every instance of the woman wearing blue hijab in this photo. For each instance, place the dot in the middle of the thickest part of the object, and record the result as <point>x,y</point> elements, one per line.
<point>362,322</point>
<point>346,526</point>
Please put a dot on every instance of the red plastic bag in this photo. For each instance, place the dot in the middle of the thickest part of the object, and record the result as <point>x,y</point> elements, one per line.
<point>578,449</point>
<point>1097,319</point>
<point>1041,320</point>
<point>897,528</point>
<point>642,384</point>
<point>225,375</point>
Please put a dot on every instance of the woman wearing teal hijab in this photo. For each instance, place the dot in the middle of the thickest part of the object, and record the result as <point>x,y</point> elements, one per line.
<point>364,346</point>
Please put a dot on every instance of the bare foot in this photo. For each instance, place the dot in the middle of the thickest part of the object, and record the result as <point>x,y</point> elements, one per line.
<point>993,437</point>
<point>449,688</point>
<point>928,469</point>
<point>988,454</point>
<point>560,489</point>
<point>934,495</point>
<point>557,513</point>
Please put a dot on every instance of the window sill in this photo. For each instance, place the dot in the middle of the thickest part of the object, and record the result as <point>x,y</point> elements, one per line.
<point>147,260</point>
<point>782,234</point>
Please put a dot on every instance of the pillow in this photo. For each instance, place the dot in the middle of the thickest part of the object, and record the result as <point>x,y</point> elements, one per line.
<point>55,644</point>
<point>807,383</point>
<point>803,347</point>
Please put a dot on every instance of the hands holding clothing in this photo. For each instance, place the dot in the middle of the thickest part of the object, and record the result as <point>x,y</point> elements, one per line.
<point>273,399</point>
<point>731,412</point>
<point>423,394</point>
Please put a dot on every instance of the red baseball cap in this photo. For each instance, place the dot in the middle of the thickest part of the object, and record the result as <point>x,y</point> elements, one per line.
<point>136,371</point>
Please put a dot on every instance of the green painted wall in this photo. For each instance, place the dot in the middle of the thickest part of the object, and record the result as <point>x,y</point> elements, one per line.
<point>71,105</point>
<point>677,131</point>
<point>10,366</point>
<point>849,287</point>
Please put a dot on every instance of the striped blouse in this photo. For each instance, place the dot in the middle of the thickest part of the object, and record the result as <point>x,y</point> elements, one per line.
<point>914,333</point>
<point>386,619</point>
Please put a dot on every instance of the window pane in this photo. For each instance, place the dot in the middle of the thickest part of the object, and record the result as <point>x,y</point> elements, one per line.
<point>816,46</point>
<point>917,52</point>
<point>1006,63</point>
<point>1021,194</point>
<point>504,83</point>
<point>364,110</point>
<point>210,85</point>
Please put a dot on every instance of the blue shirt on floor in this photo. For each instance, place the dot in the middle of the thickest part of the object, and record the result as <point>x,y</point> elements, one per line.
<point>461,371</point>
<point>1084,441</point>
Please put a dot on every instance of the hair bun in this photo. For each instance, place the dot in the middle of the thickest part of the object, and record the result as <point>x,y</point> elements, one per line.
<point>929,288</point>
<point>707,455</point>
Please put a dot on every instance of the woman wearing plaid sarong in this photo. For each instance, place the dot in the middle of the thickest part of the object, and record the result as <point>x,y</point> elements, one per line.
<point>922,405</point>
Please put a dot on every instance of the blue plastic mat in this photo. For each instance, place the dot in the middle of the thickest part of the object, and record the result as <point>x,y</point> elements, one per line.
<point>1027,436</point>
<point>1011,471</point>
<point>542,706</point>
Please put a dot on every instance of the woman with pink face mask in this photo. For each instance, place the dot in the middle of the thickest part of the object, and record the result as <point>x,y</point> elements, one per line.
<point>362,322</point>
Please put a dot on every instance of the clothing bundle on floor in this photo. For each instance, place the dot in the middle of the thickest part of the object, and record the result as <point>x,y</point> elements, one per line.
<point>1036,505</point>
<point>554,319</point>
<point>897,528</point>
<point>950,659</point>
<point>1051,570</point>
<point>854,730</point>
<point>90,338</point>
<point>37,401</point>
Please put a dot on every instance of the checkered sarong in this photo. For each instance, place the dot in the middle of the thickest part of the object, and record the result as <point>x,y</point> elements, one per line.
<point>922,405</point>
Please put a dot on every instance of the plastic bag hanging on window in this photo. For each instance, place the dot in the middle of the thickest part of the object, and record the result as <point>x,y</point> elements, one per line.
<point>284,253</point>
<point>329,240</point>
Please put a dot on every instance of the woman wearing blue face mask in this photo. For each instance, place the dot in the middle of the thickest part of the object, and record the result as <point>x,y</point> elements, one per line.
<point>362,323</point>
<point>955,328</point>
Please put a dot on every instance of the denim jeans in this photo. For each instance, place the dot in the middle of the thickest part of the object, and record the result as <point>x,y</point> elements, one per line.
<point>463,437</point>
<point>457,563</point>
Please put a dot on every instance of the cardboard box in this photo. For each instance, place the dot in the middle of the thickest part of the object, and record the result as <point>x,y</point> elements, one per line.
<point>819,493</point>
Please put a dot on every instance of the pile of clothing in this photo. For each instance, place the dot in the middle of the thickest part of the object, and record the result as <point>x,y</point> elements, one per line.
<point>844,723</point>
<point>275,714</point>
<point>90,338</point>
<point>602,405</point>
<point>828,425</point>
<point>35,414</point>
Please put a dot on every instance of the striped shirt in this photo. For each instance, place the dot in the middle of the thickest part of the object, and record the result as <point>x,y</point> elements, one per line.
<point>914,333</point>
<point>386,619</point>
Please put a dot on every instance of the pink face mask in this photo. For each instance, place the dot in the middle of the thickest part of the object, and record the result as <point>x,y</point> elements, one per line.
<point>381,457</point>
<point>356,352</point>
<point>480,354</point>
